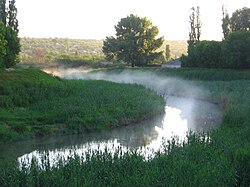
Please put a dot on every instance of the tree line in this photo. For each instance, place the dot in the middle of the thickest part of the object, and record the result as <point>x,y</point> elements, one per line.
<point>9,41</point>
<point>231,52</point>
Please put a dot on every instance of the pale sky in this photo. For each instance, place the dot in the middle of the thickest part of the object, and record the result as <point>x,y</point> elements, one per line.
<point>95,19</point>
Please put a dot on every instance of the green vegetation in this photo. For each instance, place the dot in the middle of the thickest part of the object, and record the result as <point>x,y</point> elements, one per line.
<point>239,21</point>
<point>52,51</point>
<point>9,41</point>
<point>221,160</point>
<point>75,52</point>
<point>232,52</point>
<point>135,42</point>
<point>33,103</point>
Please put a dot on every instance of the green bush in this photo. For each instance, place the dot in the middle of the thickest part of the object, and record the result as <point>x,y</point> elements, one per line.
<point>231,53</point>
<point>235,50</point>
<point>204,54</point>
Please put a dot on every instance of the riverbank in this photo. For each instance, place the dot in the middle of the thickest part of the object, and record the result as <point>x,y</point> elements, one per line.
<point>221,160</point>
<point>33,103</point>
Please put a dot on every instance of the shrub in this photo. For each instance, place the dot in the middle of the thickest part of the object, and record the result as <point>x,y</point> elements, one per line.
<point>235,50</point>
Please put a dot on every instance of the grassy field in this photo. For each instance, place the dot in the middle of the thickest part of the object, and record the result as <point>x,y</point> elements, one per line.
<point>33,103</point>
<point>223,159</point>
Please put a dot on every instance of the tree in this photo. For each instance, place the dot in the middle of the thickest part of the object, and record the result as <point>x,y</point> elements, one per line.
<point>235,50</point>
<point>240,20</point>
<point>12,47</point>
<point>9,41</point>
<point>135,42</point>
<point>3,43</point>
<point>226,25</point>
<point>192,33</point>
<point>167,52</point>
<point>195,26</point>
<point>12,16</point>
<point>198,23</point>
<point>3,13</point>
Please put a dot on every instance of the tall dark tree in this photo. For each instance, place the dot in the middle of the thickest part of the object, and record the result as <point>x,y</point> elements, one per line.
<point>198,24</point>
<point>240,20</point>
<point>195,26</point>
<point>9,41</point>
<point>192,33</point>
<point>3,13</point>
<point>226,28</point>
<point>135,42</point>
<point>167,52</point>
<point>12,16</point>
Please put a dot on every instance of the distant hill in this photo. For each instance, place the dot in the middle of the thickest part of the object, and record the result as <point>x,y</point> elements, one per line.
<point>177,47</point>
<point>40,50</point>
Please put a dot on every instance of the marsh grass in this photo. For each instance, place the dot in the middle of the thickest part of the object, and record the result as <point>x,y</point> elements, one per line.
<point>33,103</point>
<point>221,160</point>
<point>193,163</point>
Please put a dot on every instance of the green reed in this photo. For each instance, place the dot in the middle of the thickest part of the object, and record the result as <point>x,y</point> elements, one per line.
<point>35,103</point>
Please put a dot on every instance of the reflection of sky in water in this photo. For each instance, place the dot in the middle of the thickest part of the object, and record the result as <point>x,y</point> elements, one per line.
<point>181,114</point>
<point>172,125</point>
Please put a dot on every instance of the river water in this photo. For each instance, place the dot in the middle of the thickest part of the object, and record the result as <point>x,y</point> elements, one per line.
<point>182,113</point>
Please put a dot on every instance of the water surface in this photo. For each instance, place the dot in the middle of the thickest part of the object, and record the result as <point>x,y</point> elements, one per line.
<point>181,115</point>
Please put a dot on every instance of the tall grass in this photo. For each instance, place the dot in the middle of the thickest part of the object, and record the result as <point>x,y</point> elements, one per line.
<point>231,88</point>
<point>194,163</point>
<point>223,159</point>
<point>33,103</point>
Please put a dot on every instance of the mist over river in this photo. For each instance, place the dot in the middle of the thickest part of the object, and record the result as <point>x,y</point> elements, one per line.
<point>186,109</point>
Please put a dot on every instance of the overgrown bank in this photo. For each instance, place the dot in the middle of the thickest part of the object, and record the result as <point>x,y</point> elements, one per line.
<point>221,160</point>
<point>33,103</point>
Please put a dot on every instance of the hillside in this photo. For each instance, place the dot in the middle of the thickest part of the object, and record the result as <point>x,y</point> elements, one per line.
<point>44,50</point>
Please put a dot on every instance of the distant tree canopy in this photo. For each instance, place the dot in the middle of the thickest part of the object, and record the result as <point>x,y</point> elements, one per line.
<point>232,52</point>
<point>235,50</point>
<point>240,21</point>
<point>9,41</point>
<point>135,42</point>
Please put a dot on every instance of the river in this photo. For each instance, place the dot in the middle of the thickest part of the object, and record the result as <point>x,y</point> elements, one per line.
<point>186,109</point>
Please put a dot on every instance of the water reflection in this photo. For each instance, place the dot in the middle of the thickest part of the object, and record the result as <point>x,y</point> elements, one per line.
<point>180,116</point>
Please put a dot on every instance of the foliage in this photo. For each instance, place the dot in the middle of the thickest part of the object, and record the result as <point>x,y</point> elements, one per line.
<point>33,103</point>
<point>204,54</point>
<point>9,41</point>
<point>75,52</point>
<point>3,13</point>
<point>12,16</point>
<point>12,47</point>
<point>240,20</point>
<point>226,25</point>
<point>9,46</point>
<point>55,50</point>
<point>134,43</point>
<point>220,158</point>
<point>167,52</point>
<point>3,44</point>
<point>235,50</point>
<point>195,26</point>
<point>195,163</point>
